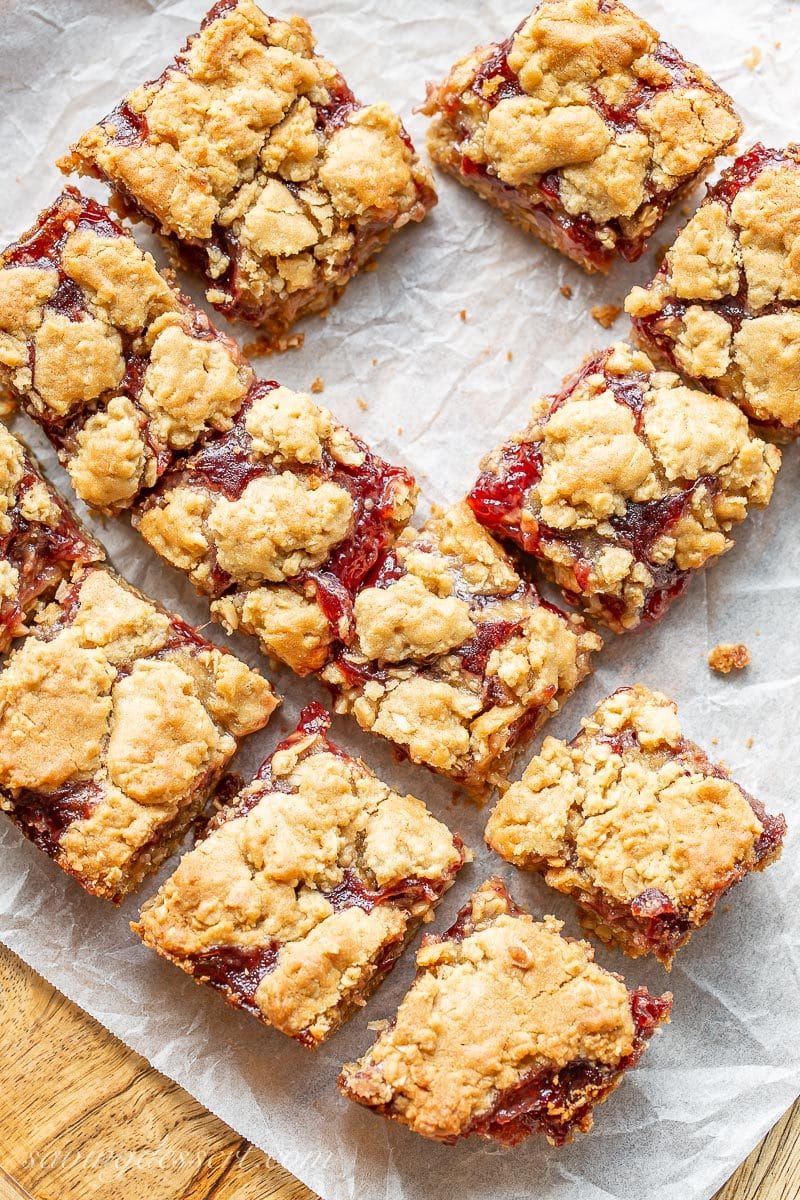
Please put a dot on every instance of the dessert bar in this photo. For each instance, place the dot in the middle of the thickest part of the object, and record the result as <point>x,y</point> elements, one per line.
<point>116,720</point>
<point>625,484</point>
<point>636,824</point>
<point>583,127</point>
<point>305,889</point>
<point>279,520</point>
<point>41,541</point>
<point>456,658</point>
<point>724,308</point>
<point>509,1029</point>
<point>119,369</point>
<point>252,155</point>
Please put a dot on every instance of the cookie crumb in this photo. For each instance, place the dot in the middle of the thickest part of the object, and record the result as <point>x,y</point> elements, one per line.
<point>318,385</point>
<point>288,341</point>
<point>727,657</point>
<point>509,355</point>
<point>749,743</point>
<point>753,58</point>
<point>566,291</point>
<point>362,404</point>
<point>375,362</point>
<point>606,314</point>
<point>463,314</point>
<point>400,430</point>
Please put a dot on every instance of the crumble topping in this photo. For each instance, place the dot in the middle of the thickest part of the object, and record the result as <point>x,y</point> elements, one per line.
<point>628,811</point>
<point>268,871</point>
<point>727,657</point>
<point>624,480</point>
<point>119,369</point>
<point>109,695</point>
<point>584,112</point>
<point>454,656</point>
<point>722,308</point>
<point>487,1009</point>
<point>288,190</point>
<point>288,498</point>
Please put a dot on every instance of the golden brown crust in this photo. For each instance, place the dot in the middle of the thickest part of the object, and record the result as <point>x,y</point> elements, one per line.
<point>723,306</point>
<point>583,111</point>
<point>274,874</point>
<point>633,481</point>
<point>489,1008</point>
<point>311,494</point>
<point>727,657</point>
<point>293,184</point>
<point>114,724</point>
<point>456,659</point>
<point>628,816</point>
<point>122,374</point>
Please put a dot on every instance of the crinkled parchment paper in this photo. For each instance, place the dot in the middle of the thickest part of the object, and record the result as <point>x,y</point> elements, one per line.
<point>440,390</point>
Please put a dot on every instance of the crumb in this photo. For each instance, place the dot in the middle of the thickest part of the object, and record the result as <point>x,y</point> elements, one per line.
<point>318,385</point>
<point>399,430</point>
<point>362,404</point>
<point>753,58</point>
<point>749,743</point>
<point>463,314</point>
<point>715,741</point>
<point>372,265</point>
<point>509,355</point>
<point>288,341</point>
<point>729,657</point>
<point>779,45</point>
<point>606,314</point>
<point>375,362</point>
<point>566,291</point>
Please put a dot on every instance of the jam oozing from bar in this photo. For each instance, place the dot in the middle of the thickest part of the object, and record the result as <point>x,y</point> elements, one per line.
<point>226,465</point>
<point>353,892</point>
<point>559,1103</point>
<point>44,817</point>
<point>236,970</point>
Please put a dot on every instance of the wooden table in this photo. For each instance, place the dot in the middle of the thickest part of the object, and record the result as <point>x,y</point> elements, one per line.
<point>82,1116</point>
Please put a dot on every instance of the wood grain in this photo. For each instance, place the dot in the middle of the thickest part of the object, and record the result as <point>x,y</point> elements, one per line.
<point>81,1115</point>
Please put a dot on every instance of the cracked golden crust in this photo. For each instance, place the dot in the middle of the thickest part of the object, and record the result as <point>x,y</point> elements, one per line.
<point>627,807</point>
<point>639,480</point>
<point>303,181</point>
<point>123,374</point>
<point>741,248</point>
<point>111,698</point>
<point>585,97</point>
<point>264,876</point>
<point>253,547</point>
<point>41,541</point>
<point>487,1009</point>
<point>417,673</point>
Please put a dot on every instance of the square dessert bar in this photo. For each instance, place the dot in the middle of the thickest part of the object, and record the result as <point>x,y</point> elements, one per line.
<point>305,889</point>
<point>624,484</point>
<point>42,543</point>
<point>583,127</point>
<point>119,369</point>
<point>116,720</point>
<point>251,153</point>
<point>456,658</point>
<point>279,520</point>
<point>724,308</point>
<point>508,1029</point>
<point>636,824</point>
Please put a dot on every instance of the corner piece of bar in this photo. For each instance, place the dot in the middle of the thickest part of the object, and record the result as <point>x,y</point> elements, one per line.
<point>724,307</point>
<point>624,484</point>
<point>509,1029</point>
<point>121,371</point>
<point>116,720</point>
<point>279,521</point>
<point>42,543</point>
<point>583,127</point>
<point>286,193</point>
<point>636,824</point>
<point>456,658</point>
<point>305,889</point>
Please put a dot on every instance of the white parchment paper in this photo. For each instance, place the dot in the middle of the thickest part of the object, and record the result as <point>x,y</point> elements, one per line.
<point>441,390</point>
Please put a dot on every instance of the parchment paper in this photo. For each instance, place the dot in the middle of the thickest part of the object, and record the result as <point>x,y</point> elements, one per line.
<point>441,391</point>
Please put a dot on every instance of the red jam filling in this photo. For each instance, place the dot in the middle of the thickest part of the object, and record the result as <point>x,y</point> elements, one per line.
<point>559,1103</point>
<point>235,970</point>
<point>353,892</point>
<point>44,817</point>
